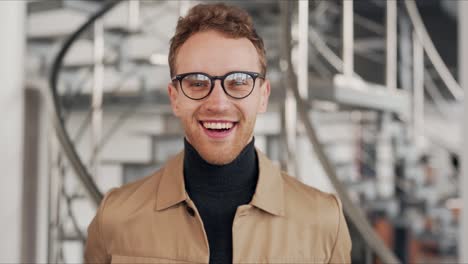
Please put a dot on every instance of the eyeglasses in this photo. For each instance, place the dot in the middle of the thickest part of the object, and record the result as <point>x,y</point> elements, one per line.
<point>198,85</point>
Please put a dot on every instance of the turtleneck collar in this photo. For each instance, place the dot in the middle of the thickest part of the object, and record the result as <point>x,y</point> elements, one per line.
<point>201,175</point>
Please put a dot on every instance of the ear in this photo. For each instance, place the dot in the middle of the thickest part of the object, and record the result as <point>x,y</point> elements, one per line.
<point>173,97</point>
<point>265,90</point>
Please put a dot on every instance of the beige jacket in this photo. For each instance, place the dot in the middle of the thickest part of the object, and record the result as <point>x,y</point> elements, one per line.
<point>154,221</point>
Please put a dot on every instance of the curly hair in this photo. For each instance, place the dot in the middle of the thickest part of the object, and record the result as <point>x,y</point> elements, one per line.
<point>231,21</point>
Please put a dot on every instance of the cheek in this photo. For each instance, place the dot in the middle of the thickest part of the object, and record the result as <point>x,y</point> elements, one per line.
<point>255,105</point>
<point>186,110</point>
<point>250,110</point>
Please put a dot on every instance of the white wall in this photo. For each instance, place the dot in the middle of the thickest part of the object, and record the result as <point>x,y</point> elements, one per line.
<point>463,67</point>
<point>12,18</point>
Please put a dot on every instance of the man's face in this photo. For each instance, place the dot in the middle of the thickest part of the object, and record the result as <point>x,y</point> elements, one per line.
<point>213,53</point>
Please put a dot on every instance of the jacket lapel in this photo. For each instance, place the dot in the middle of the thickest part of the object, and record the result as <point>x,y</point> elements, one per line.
<point>269,194</point>
<point>171,189</point>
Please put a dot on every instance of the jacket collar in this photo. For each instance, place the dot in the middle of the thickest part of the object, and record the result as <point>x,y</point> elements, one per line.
<point>268,196</point>
<point>171,188</point>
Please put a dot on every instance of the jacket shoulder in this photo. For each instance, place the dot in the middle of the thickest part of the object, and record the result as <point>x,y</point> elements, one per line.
<point>132,194</point>
<point>304,202</point>
<point>321,212</point>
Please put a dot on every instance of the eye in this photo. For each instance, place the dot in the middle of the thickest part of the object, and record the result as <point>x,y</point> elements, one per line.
<point>198,84</point>
<point>196,81</point>
<point>238,79</point>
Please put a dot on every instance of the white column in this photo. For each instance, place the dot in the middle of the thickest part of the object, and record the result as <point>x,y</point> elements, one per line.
<point>418,92</point>
<point>391,45</point>
<point>463,73</point>
<point>348,38</point>
<point>12,32</point>
<point>97,96</point>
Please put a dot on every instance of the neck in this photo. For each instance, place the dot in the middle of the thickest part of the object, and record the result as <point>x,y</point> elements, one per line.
<point>201,175</point>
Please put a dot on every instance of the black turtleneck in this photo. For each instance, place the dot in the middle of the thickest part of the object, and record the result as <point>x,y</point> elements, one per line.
<point>217,191</point>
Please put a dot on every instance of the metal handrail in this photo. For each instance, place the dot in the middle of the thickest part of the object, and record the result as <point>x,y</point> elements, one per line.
<point>59,125</point>
<point>431,51</point>
<point>322,47</point>
<point>336,62</point>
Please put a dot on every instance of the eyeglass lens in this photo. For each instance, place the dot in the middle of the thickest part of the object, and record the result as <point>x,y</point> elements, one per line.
<point>236,84</point>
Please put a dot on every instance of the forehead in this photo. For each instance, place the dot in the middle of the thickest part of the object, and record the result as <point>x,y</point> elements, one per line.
<point>216,54</point>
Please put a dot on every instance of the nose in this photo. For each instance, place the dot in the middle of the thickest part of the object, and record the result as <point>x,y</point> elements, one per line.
<point>218,100</point>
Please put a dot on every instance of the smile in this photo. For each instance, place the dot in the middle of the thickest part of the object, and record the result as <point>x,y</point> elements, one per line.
<point>218,129</point>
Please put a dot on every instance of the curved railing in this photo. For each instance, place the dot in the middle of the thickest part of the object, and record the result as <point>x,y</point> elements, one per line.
<point>58,121</point>
<point>431,51</point>
<point>423,38</point>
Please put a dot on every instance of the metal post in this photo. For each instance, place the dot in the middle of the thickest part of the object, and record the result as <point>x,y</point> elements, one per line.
<point>289,115</point>
<point>418,91</point>
<point>55,181</point>
<point>290,129</point>
<point>348,38</point>
<point>97,94</point>
<point>51,165</point>
<point>57,203</point>
<point>384,164</point>
<point>303,60</point>
<point>391,43</point>
<point>405,53</point>
<point>463,73</point>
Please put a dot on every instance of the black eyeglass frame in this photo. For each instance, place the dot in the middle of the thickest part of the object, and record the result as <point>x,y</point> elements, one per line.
<point>254,75</point>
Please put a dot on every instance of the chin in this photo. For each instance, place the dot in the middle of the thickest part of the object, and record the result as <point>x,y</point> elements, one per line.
<point>220,153</point>
<point>222,157</point>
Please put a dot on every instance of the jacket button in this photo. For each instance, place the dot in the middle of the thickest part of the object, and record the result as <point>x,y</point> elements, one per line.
<point>190,211</point>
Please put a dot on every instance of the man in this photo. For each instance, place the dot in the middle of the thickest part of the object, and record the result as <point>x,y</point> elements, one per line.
<point>220,200</point>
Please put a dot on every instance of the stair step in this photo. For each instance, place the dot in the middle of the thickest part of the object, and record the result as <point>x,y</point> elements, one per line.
<point>360,94</point>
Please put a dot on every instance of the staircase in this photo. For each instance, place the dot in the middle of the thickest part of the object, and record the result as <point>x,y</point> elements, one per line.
<point>113,120</point>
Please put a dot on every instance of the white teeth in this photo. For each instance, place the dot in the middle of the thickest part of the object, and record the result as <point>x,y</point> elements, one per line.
<point>217,125</point>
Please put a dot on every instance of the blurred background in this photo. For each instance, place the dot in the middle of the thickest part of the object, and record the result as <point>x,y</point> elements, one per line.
<point>367,102</point>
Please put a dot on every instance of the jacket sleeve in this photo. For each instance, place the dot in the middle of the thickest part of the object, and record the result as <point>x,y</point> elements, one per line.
<point>341,251</point>
<point>95,249</point>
